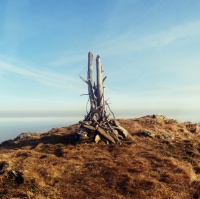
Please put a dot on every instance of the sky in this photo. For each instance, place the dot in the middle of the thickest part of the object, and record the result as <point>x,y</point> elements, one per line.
<point>149,51</point>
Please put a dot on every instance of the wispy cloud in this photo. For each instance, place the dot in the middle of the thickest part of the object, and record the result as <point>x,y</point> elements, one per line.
<point>130,43</point>
<point>41,75</point>
<point>166,37</point>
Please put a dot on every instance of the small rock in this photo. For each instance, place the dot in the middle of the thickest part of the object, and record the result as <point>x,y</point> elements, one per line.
<point>165,137</point>
<point>168,137</point>
<point>17,176</point>
<point>24,135</point>
<point>3,166</point>
<point>83,133</point>
<point>146,134</point>
<point>97,138</point>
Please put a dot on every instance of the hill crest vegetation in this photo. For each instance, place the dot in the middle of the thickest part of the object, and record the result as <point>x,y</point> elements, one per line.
<point>159,159</point>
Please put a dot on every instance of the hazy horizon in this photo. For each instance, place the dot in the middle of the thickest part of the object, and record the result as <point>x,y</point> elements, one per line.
<point>12,125</point>
<point>185,114</point>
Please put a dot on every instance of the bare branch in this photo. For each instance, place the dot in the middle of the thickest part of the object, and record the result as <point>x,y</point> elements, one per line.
<point>87,105</point>
<point>104,79</point>
<point>110,109</point>
<point>84,94</point>
<point>83,79</point>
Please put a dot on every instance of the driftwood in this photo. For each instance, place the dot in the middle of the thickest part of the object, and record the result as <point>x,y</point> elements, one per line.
<point>97,126</point>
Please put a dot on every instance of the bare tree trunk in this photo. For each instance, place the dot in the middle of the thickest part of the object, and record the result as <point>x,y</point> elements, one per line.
<point>90,82</point>
<point>97,124</point>
<point>100,94</point>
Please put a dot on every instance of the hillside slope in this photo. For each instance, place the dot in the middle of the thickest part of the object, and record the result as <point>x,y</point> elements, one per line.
<point>160,159</point>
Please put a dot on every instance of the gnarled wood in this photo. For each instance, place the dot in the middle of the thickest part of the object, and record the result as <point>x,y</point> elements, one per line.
<point>100,97</point>
<point>107,136</point>
<point>88,127</point>
<point>90,81</point>
<point>97,125</point>
<point>122,131</point>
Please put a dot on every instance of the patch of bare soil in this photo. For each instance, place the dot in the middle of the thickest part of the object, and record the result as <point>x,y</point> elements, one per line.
<point>159,159</point>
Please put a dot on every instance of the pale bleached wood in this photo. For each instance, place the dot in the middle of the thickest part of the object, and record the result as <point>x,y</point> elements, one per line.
<point>97,125</point>
<point>122,131</point>
<point>83,79</point>
<point>100,97</point>
<point>90,81</point>
<point>106,135</point>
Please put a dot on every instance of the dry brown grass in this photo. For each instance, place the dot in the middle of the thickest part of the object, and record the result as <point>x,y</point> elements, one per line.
<point>142,167</point>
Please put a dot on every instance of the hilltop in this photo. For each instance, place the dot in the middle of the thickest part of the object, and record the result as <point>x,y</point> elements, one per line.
<point>159,159</point>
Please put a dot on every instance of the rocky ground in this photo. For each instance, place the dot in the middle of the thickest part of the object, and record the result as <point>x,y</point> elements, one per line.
<point>159,159</point>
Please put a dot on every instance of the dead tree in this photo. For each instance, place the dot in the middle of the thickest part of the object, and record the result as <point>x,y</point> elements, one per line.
<point>96,125</point>
<point>90,82</point>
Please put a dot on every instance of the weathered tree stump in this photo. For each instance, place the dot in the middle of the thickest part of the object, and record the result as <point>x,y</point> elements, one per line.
<point>96,125</point>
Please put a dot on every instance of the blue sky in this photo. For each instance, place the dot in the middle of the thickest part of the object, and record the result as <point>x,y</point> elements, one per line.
<point>149,51</point>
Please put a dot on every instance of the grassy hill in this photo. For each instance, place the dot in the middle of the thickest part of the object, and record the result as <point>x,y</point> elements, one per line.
<point>160,159</point>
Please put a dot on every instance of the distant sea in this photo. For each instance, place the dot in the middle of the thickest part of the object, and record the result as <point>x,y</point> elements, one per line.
<point>11,127</point>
